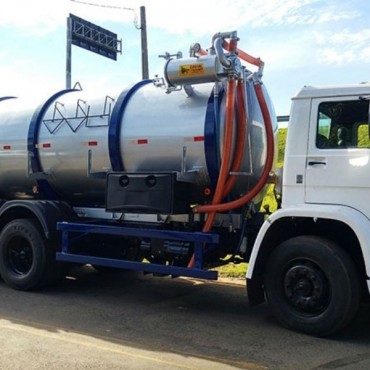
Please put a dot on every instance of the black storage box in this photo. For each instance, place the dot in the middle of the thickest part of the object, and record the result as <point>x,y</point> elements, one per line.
<point>147,192</point>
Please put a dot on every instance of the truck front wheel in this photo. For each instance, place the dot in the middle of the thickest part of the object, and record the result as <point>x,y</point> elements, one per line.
<point>312,285</point>
<point>25,261</point>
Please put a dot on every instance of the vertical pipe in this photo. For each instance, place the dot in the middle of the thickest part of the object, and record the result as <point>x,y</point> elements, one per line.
<point>240,135</point>
<point>69,54</point>
<point>226,157</point>
<point>144,45</point>
<point>228,140</point>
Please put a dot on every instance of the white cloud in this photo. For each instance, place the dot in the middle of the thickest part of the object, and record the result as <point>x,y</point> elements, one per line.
<point>37,17</point>
<point>202,17</point>
<point>40,17</point>
<point>289,35</point>
<point>193,16</point>
<point>345,46</point>
<point>16,74</point>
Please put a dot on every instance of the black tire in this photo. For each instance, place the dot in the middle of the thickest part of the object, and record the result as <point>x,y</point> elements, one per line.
<point>312,285</point>
<point>26,262</point>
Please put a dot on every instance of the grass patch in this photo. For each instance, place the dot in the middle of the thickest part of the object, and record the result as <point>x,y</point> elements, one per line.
<point>232,270</point>
<point>238,270</point>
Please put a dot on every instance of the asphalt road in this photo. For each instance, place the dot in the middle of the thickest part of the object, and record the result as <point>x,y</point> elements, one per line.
<point>134,321</point>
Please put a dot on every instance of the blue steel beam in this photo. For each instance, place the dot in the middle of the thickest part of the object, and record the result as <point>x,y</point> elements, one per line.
<point>198,238</point>
<point>132,265</point>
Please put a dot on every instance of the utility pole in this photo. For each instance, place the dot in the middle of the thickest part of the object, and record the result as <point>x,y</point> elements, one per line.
<point>144,45</point>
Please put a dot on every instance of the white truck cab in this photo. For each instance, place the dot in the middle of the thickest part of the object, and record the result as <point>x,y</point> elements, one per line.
<point>312,256</point>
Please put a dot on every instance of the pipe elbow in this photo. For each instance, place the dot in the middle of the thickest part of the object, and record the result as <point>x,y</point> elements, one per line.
<point>217,44</point>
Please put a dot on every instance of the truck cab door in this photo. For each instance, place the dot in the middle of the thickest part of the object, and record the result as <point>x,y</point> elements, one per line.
<point>338,157</point>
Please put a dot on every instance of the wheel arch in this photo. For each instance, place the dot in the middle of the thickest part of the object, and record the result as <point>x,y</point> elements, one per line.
<point>346,227</point>
<point>45,213</point>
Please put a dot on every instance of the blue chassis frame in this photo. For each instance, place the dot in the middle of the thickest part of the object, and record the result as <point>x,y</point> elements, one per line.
<point>198,238</point>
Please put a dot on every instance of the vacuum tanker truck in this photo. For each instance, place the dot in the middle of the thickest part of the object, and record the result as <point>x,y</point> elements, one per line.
<point>167,177</point>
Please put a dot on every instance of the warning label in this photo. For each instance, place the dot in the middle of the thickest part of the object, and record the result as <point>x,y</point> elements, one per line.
<point>191,69</point>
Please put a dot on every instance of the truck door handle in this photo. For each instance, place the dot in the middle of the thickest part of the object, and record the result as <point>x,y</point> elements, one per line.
<point>313,163</point>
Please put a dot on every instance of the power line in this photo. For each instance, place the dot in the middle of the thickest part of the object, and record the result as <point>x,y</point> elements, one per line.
<point>136,23</point>
<point>102,5</point>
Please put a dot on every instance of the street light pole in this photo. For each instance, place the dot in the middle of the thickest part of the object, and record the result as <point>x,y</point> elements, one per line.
<point>144,45</point>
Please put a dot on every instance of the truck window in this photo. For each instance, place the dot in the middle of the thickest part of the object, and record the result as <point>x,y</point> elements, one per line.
<point>323,131</point>
<point>343,124</point>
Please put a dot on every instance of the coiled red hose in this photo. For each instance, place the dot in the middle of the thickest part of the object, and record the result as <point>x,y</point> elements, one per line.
<point>266,171</point>
<point>225,182</point>
<point>225,163</point>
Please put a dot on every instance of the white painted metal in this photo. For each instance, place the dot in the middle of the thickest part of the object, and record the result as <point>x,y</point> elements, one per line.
<point>357,221</point>
<point>337,187</point>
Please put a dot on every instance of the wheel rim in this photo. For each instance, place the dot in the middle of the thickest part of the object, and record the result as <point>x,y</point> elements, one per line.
<point>20,255</point>
<point>306,287</point>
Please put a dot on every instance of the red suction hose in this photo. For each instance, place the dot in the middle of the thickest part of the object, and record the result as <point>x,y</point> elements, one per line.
<point>266,171</point>
<point>241,135</point>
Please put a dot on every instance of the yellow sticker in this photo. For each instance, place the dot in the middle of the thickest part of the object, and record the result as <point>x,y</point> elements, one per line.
<point>191,69</point>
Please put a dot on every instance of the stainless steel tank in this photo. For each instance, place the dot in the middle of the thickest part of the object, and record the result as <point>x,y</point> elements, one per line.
<point>65,147</point>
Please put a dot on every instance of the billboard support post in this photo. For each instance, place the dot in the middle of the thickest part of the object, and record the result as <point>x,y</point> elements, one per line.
<point>91,37</point>
<point>69,54</point>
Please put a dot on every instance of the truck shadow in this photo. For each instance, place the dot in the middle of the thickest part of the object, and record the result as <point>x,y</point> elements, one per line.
<point>183,316</point>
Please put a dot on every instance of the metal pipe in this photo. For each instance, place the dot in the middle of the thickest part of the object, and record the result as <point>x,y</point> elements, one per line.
<point>217,44</point>
<point>69,54</point>
<point>225,163</point>
<point>144,45</point>
<point>224,35</point>
<point>241,137</point>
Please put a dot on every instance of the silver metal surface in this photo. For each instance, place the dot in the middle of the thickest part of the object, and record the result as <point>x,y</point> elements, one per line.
<point>159,132</point>
<point>193,70</point>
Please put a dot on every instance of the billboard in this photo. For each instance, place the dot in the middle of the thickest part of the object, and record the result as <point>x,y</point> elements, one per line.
<point>91,37</point>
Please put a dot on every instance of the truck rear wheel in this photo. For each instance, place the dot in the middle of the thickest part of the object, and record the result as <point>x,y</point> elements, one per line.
<point>25,261</point>
<point>312,285</point>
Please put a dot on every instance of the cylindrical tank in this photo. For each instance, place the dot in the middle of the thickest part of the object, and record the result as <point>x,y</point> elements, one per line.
<point>65,147</point>
<point>192,70</point>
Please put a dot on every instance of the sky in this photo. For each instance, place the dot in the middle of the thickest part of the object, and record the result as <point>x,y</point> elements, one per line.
<point>302,42</point>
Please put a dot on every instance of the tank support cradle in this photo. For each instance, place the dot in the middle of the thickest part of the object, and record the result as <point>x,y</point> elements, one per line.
<point>198,238</point>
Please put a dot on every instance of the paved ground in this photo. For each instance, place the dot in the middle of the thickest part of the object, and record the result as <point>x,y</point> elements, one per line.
<point>131,321</point>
